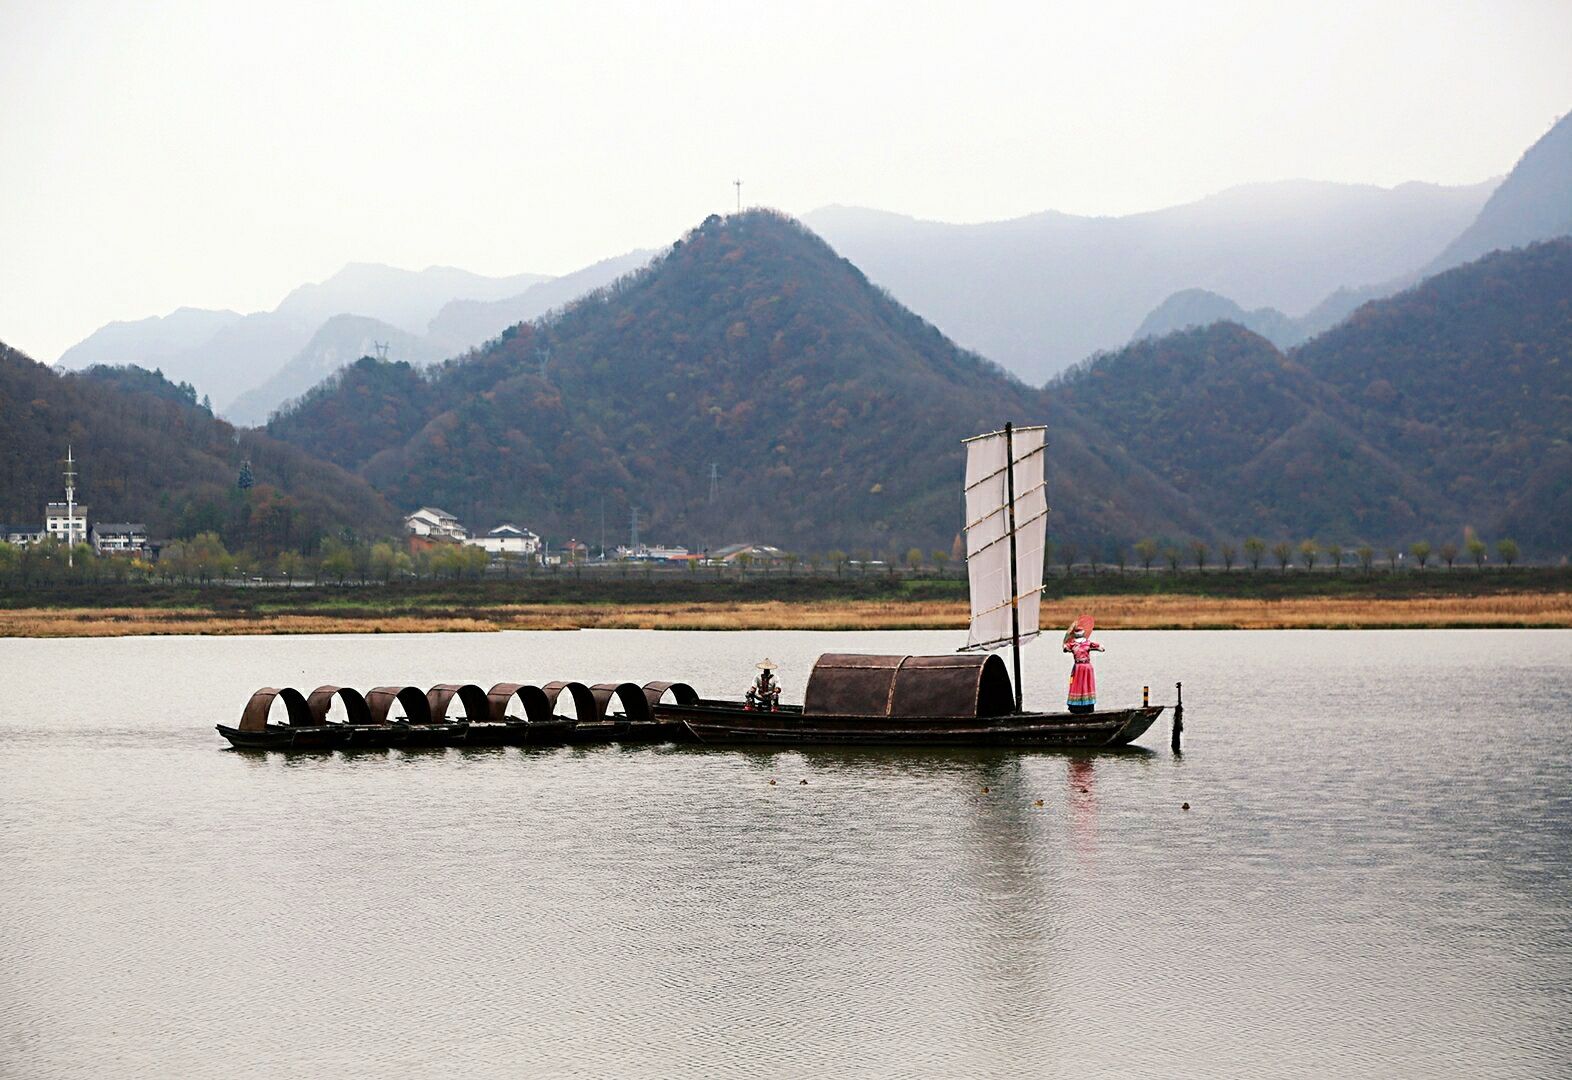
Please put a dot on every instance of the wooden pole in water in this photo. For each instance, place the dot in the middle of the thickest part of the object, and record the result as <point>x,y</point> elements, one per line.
<point>1015,608</point>
<point>1178,729</point>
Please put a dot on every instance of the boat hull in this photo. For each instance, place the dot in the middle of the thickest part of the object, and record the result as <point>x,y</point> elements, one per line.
<point>725,723</point>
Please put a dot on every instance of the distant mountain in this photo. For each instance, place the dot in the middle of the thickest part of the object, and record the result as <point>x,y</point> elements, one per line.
<point>224,355</point>
<point>832,415</point>
<point>1196,307</point>
<point>463,324</point>
<point>1533,203</point>
<point>339,341</point>
<point>406,299</point>
<point>1040,292</point>
<point>147,453</point>
<point>147,342</point>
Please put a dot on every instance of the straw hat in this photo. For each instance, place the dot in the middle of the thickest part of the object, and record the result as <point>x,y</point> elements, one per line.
<point>766,664</point>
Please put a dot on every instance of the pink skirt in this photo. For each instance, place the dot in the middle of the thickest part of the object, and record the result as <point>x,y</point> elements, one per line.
<point>1083,685</point>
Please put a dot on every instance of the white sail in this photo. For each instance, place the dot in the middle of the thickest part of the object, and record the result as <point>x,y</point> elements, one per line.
<point>988,533</point>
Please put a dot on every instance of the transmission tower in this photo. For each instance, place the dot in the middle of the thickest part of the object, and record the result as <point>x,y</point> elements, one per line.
<point>634,530</point>
<point>382,349</point>
<point>70,480</point>
<point>714,481</point>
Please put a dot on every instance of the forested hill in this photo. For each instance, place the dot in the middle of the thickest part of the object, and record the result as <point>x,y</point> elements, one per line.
<point>1445,407</point>
<point>1466,381</point>
<point>831,415</point>
<point>147,452</point>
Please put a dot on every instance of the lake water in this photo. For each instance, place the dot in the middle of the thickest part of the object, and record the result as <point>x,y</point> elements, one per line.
<point>1373,877</point>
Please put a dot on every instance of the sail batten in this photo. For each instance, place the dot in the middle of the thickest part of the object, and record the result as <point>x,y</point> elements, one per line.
<point>988,473</point>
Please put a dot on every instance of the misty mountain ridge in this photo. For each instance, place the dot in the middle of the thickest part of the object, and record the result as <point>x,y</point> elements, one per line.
<point>1533,203</point>
<point>341,340</point>
<point>243,351</point>
<point>459,326</point>
<point>406,299</point>
<point>1040,292</point>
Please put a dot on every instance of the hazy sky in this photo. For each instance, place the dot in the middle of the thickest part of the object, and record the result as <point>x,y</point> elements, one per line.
<point>216,155</point>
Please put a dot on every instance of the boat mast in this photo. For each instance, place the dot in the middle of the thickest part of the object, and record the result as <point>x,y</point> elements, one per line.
<point>1015,609</point>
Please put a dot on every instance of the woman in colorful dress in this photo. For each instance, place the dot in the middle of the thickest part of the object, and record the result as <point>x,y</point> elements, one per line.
<point>1083,681</point>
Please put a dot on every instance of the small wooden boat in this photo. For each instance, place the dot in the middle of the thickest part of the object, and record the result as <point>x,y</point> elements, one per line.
<point>266,737</point>
<point>256,732</point>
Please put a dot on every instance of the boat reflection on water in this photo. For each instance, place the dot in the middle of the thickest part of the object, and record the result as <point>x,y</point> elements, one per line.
<point>1082,777</point>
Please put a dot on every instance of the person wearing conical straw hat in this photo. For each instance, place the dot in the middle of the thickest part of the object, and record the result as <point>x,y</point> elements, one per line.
<point>765,693</point>
<point>1078,642</point>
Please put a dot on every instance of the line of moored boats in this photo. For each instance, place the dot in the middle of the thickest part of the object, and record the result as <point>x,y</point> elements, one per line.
<point>458,714</point>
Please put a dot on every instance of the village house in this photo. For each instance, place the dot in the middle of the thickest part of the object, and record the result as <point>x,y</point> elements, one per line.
<point>652,553</point>
<point>66,523</point>
<point>509,539</point>
<point>119,538</point>
<point>21,536</point>
<point>430,523</point>
<point>758,554</point>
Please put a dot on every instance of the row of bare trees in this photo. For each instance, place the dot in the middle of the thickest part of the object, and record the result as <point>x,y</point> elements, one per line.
<point>1309,553</point>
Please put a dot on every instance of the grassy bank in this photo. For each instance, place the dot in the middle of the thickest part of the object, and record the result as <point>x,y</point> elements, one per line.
<point>1532,597</point>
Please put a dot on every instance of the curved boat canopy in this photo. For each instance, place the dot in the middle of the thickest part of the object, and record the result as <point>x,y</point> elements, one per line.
<point>959,684</point>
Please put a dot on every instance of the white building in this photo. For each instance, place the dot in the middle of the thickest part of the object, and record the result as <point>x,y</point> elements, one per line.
<point>509,538</point>
<point>21,537</point>
<point>651,553</point>
<point>120,538</point>
<point>434,524</point>
<point>66,522</point>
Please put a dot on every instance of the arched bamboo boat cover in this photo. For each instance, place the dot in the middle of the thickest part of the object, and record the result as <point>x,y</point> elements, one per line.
<point>916,687</point>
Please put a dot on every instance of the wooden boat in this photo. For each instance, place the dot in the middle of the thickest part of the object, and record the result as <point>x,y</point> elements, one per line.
<point>955,700</point>
<point>726,723</point>
<point>256,732</point>
<point>268,737</point>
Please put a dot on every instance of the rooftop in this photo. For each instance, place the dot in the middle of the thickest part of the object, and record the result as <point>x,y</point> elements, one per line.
<point>442,515</point>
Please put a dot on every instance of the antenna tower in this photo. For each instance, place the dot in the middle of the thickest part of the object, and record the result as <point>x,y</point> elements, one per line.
<point>635,529</point>
<point>738,185</point>
<point>70,479</point>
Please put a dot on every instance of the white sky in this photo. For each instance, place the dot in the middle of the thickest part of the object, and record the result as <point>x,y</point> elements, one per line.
<point>217,155</point>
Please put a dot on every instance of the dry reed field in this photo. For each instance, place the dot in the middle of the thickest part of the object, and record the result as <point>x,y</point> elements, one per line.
<point>1166,612</point>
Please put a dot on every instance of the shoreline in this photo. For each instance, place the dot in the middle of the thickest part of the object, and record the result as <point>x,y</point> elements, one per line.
<point>1551,610</point>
